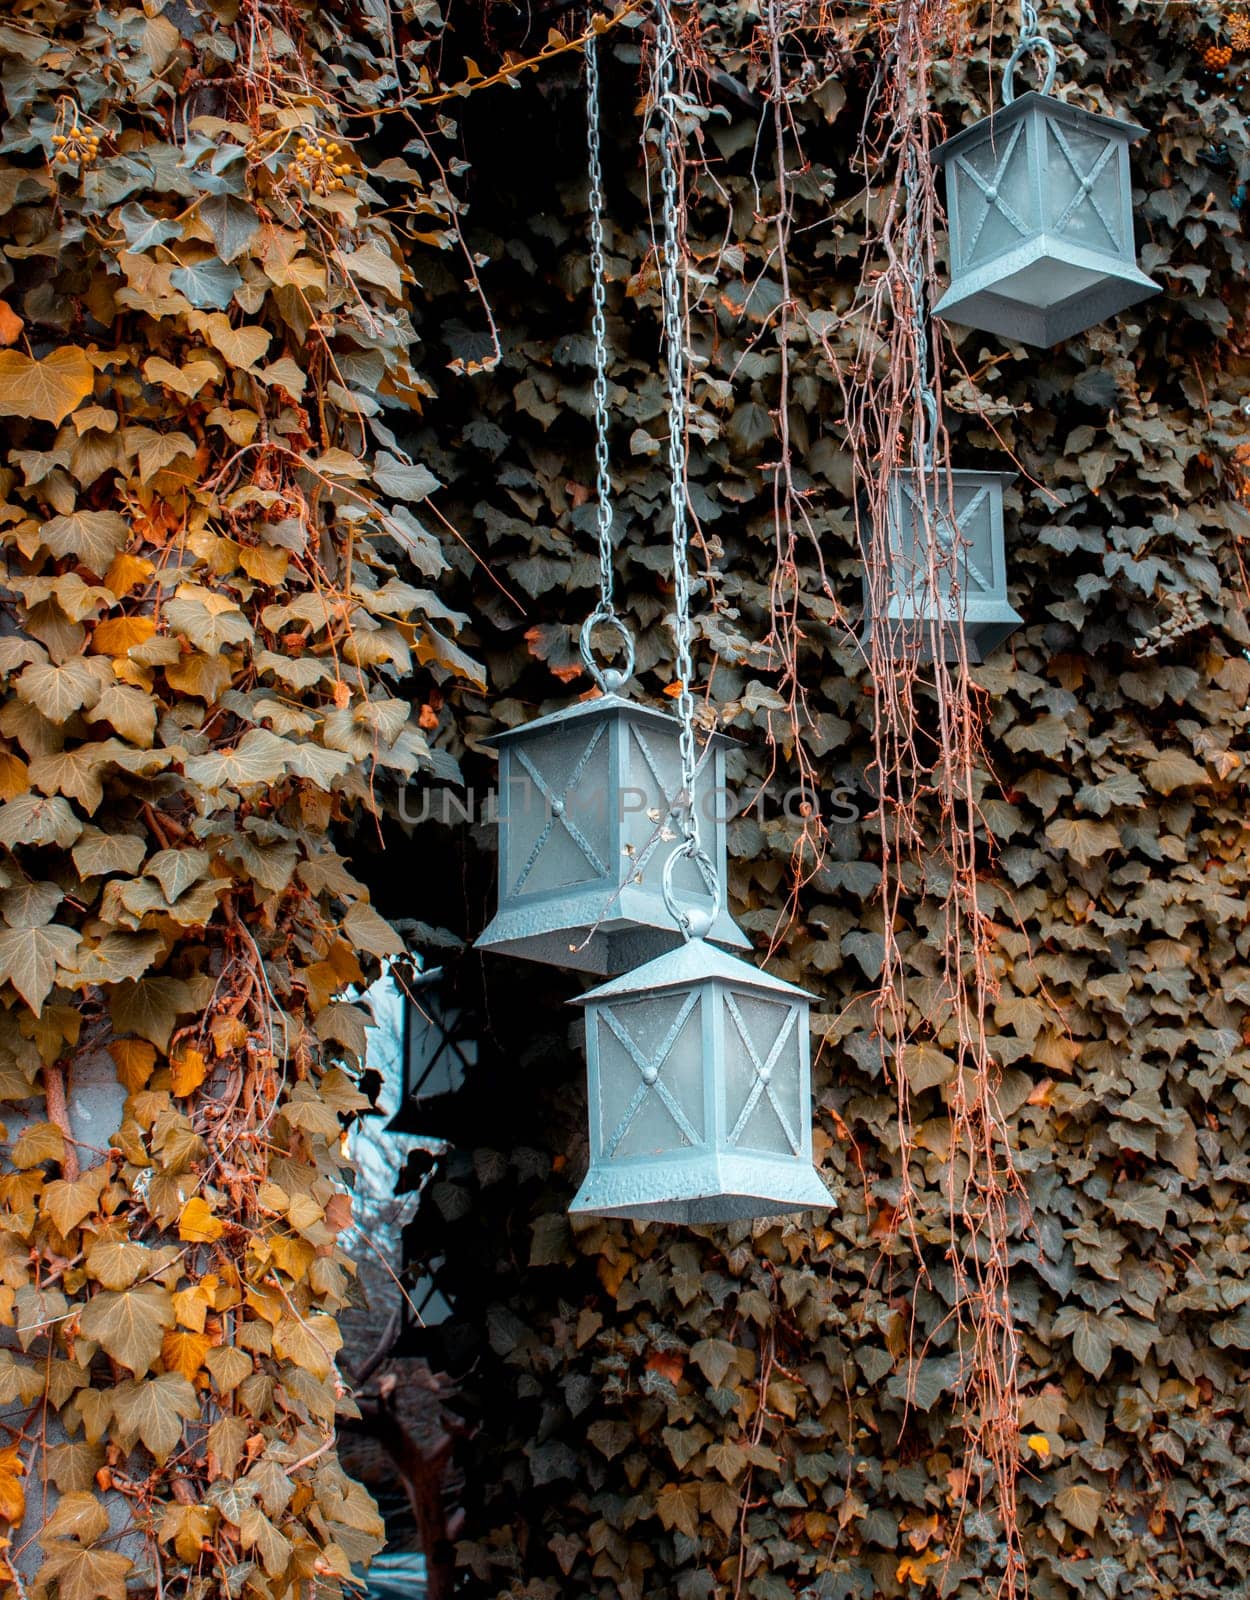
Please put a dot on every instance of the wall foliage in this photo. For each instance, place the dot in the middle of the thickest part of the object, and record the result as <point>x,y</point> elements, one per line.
<point>735,1412</point>
<point>214,586</point>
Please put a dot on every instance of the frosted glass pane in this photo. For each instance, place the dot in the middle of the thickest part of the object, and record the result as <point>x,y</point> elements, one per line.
<point>973,506</point>
<point>554,816</point>
<point>995,197</point>
<point>761,1116</point>
<point>1083,200</point>
<point>652,783</point>
<point>647,1118</point>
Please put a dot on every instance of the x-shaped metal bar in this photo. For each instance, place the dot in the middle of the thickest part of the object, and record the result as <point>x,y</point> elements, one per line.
<point>763,1074</point>
<point>993,199</point>
<point>945,535</point>
<point>639,866</point>
<point>650,1068</point>
<point>557,811</point>
<point>1085,182</point>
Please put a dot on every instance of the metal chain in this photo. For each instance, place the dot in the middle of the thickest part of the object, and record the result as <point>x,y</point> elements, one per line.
<point>1032,39</point>
<point>599,328</point>
<point>924,438</point>
<point>608,679</point>
<point>672,281</point>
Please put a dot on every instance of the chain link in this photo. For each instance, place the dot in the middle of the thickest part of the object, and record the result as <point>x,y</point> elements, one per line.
<point>599,331</point>
<point>609,679</point>
<point>1032,41</point>
<point>672,285</point>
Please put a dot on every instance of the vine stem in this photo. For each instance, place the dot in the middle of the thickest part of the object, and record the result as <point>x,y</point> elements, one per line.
<point>58,1114</point>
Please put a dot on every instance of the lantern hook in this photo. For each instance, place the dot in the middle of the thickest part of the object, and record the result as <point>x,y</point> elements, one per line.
<point>609,680</point>
<point>694,921</point>
<point>1032,40</point>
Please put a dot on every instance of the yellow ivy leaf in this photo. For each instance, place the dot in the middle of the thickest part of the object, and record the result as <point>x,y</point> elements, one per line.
<point>197,1224</point>
<point>12,1495</point>
<point>47,389</point>
<point>185,1352</point>
<point>187,1073</point>
<point>117,635</point>
<point>1039,1444</point>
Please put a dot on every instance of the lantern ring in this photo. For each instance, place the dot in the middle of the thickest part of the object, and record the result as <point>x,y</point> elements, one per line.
<point>694,921</point>
<point>608,679</point>
<point>1024,48</point>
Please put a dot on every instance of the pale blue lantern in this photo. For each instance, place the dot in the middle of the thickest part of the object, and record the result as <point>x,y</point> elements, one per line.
<point>699,1093</point>
<point>1039,206</point>
<point>587,821</point>
<point>945,567</point>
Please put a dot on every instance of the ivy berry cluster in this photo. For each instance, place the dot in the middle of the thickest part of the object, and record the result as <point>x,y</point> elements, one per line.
<point>319,166</point>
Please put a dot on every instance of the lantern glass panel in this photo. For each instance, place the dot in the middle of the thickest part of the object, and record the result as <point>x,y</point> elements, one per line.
<point>995,196</point>
<point>1084,200</point>
<point>654,768</point>
<point>763,1062</point>
<point>558,832</point>
<point>650,1075</point>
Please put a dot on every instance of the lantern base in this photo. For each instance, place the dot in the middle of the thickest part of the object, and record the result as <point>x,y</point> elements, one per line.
<point>1044,292</point>
<point>702,1188</point>
<point>908,637</point>
<point>604,947</point>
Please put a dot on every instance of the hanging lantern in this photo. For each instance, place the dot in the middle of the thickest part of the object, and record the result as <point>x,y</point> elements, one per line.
<point>1039,206</point>
<point>586,818</point>
<point>700,1093</point>
<point>965,579</point>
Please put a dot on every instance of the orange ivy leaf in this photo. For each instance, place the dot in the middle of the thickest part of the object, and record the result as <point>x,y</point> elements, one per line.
<point>185,1352</point>
<point>187,1072</point>
<point>12,1494</point>
<point>47,389</point>
<point>197,1224</point>
<point>117,635</point>
<point>11,324</point>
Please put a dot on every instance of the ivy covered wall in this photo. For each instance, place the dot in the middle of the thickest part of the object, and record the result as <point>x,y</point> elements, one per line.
<point>779,1410</point>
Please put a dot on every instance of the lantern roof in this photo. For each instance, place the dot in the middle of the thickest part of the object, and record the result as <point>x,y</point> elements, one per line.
<point>1056,110</point>
<point>693,961</point>
<point>598,706</point>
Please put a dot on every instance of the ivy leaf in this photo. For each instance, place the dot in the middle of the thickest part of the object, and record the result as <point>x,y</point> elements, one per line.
<point>229,1366</point>
<point>310,1342</point>
<point>401,479</point>
<point>155,1409</point>
<point>259,757</point>
<point>40,1142</point>
<point>48,389</point>
<point>78,1515</point>
<point>371,932</point>
<point>84,1574</point>
<point>59,691</point>
<point>38,819</point>
<point>677,1506</point>
<point>208,284</point>
<point>92,537</point>
<point>98,853</point>
<point>149,1008</point>
<point>1174,770</point>
<point>118,956</point>
<point>232,222</point>
<point>68,1204</point>
<point>714,1359</point>
<point>257,1532</point>
<point>130,1324</point>
<point>144,231</point>
<point>1079,1504</point>
<point>1091,1343</point>
<point>1084,841</point>
<point>29,958</point>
